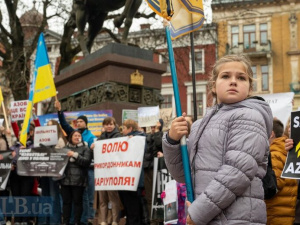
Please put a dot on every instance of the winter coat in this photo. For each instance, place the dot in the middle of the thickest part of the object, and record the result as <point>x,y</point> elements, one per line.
<point>107,135</point>
<point>228,152</point>
<point>154,145</point>
<point>76,172</point>
<point>281,208</point>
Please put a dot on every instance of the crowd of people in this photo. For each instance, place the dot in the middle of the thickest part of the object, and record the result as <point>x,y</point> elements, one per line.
<point>228,153</point>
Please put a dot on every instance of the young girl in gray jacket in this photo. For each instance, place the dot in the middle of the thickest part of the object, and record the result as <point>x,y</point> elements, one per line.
<point>228,149</point>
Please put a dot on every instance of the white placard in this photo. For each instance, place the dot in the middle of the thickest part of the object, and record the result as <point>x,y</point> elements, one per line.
<point>148,116</point>
<point>1,122</point>
<point>171,203</point>
<point>118,163</point>
<point>18,110</point>
<point>281,105</point>
<point>46,135</point>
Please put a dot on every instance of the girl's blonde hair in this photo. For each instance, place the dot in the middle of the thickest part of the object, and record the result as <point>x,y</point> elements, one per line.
<point>226,59</point>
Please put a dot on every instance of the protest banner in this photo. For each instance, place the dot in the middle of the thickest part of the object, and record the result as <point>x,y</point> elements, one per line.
<point>148,116</point>
<point>166,116</point>
<point>45,135</point>
<point>281,105</point>
<point>18,110</point>
<point>43,161</point>
<point>5,168</point>
<point>95,119</point>
<point>292,164</point>
<point>170,203</point>
<point>129,114</point>
<point>161,176</point>
<point>118,163</point>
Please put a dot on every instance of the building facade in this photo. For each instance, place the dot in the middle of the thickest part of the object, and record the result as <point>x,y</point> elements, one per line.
<point>267,31</point>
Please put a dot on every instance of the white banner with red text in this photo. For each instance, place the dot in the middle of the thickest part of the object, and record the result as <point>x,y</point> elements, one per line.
<point>118,163</point>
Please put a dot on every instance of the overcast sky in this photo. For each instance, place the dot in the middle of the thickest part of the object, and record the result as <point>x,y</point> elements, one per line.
<point>56,24</point>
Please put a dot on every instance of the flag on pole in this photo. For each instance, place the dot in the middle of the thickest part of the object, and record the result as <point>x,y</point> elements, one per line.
<point>42,85</point>
<point>1,97</point>
<point>185,16</point>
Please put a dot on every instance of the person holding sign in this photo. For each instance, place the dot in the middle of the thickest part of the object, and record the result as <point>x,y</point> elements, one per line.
<point>87,136</point>
<point>21,185</point>
<point>281,208</point>
<point>228,149</point>
<point>75,177</point>
<point>50,186</point>
<point>110,131</point>
<point>131,200</point>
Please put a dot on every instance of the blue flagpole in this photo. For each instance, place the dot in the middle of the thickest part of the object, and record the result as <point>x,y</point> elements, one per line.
<point>183,147</point>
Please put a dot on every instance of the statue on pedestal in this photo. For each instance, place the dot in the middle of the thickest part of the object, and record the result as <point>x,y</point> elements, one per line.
<point>94,13</point>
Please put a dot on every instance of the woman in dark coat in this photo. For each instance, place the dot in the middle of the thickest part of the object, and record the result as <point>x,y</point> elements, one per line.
<point>75,177</point>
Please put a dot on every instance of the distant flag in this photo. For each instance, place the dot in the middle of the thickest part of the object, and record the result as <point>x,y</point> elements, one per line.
<point>42,86</point>
<point>185,16</point>
<point>1,97</point>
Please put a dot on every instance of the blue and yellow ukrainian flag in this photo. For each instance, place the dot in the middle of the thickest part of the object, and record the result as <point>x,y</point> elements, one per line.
<point>42,86</point>
<point>185,16</point>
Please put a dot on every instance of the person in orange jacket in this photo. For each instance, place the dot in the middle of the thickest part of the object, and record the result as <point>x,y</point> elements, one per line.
<point>281,208</point>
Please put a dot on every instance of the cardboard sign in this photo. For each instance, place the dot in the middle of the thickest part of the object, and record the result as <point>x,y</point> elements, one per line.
<point>118,163</point>
<point>42,161</point>
<point>18,110</point>
<point>45,135</point>
<point>281,105</point>
<point>148,116</point>
<point>166,115</point>
<point>129,114</point>
<point>292,164</point>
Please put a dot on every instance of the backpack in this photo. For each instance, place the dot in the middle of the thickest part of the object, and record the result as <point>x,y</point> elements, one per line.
<point>269,181</point>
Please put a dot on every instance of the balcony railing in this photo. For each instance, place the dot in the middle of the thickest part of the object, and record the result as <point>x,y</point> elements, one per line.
<point>257,50</point>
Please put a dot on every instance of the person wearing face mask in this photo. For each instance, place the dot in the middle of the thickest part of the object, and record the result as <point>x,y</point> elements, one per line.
<point>87,136</point>
<point>111,131</point>
<point>75,177</point>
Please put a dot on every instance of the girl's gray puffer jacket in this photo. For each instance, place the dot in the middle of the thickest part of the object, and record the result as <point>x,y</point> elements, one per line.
<point>76,172</point>
<point>228,152</point>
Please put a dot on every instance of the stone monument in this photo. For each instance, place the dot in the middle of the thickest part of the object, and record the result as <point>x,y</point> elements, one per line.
<point>115,77</point>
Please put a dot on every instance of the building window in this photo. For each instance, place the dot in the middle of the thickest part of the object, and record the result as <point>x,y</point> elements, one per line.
<point>254,78</point>
<point>234,36</point>
<point>249,36</point>
<point>164,59</point>
<point>199,61</point>
<point>265,78</point>
<point>199,103</point>
<point>167,103</point>
<point>263,29</point>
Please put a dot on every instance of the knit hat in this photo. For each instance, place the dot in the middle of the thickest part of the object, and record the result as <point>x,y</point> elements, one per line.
<point>84,118</point>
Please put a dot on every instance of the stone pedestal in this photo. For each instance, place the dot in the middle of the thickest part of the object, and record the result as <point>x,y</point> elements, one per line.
<point>115,77</point>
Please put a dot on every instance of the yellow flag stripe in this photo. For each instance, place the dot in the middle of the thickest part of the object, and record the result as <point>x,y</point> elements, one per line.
<point>1,97</point>
<point>23,135</point>
<point>44,85</point>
